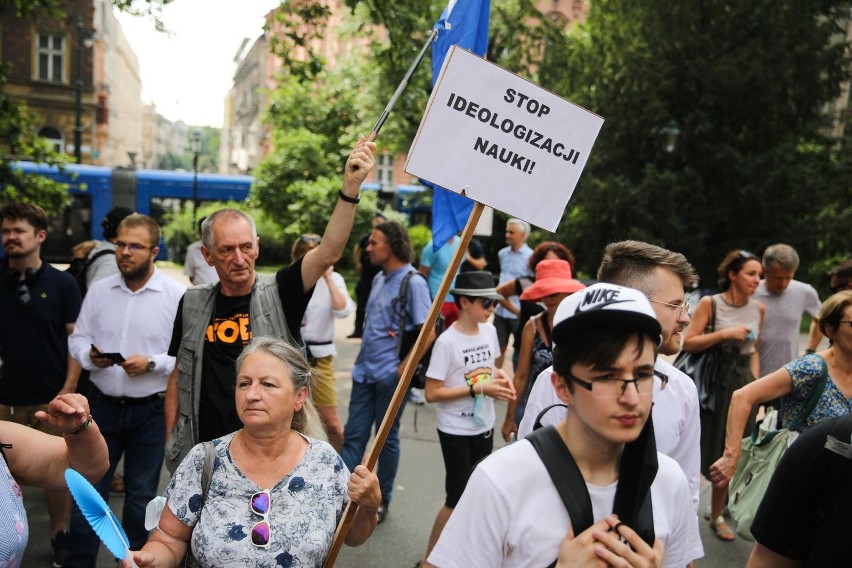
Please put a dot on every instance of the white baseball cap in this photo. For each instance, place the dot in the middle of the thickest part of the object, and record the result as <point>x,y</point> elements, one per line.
<point>604,305</point>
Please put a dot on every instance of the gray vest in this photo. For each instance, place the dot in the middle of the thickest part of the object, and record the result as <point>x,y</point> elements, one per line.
<point>267,318</point>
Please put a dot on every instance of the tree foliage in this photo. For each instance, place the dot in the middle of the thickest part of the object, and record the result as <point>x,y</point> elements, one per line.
<point>748,83</point>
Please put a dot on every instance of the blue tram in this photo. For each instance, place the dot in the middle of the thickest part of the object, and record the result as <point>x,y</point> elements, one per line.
<point>96,189</point>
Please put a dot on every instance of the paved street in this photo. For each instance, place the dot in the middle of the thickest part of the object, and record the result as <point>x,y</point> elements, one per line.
<point>399,541</point>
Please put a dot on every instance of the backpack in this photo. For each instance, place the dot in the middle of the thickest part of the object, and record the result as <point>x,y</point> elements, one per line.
<point>79,267</point>
<point>408,339</point>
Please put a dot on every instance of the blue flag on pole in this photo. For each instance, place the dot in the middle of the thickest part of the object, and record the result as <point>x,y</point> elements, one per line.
<point>463,23</point>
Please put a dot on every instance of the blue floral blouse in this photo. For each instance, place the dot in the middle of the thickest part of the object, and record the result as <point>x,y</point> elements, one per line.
<point>305,508</point>
<point>806,372</point>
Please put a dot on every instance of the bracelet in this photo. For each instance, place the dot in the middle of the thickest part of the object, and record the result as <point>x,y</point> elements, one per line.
<point>809,351</point>
<point>347,199</point>
<point>84,427</point>
<point>472,394</point>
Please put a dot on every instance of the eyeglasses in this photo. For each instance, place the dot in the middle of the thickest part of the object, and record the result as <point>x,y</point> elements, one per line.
<point>840,287</point>
<point>747,255</point>
<point>24,297</point>
<point>133,247</point>
<point>607,387</point>
<point>684,307</point>
<point>846,321</point>
<point>261,534</point>
<point>305,239</point>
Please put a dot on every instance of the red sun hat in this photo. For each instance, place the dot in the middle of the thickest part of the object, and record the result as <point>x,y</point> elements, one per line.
<point>552,276</point>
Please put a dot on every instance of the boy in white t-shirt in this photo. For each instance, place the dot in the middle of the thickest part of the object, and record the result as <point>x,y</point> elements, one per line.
<point>463,381</point>
<point>639,510</point>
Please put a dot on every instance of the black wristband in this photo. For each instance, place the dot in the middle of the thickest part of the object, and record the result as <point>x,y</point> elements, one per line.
<point>809,351</point>
<point>472,394</point>
<point>347,199</point>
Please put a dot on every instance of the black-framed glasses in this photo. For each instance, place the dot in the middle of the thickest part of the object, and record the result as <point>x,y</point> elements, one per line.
<point>307,239</point>
<point>24,297</point>
<point>610,387</point>
<point>261,534</point>
<point>684,307</point>
<point>132,247</point>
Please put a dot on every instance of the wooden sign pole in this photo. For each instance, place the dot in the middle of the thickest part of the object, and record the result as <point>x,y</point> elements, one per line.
<point>402,388</point>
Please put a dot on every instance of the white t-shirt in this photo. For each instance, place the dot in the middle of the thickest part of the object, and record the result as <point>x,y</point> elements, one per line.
<point>677,426</point>
<point>461,360</point>
<point>196,268</point>
<point>779,336</point>
<point>511,515</point>
<point>318,321</point>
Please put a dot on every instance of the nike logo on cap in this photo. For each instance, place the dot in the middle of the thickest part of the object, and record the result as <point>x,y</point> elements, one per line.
<point>599,299</point>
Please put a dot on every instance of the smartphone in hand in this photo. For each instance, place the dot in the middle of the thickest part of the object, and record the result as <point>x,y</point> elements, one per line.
<point>116,358</point>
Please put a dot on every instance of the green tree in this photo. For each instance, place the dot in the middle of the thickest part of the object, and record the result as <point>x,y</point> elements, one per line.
<point>747,82</point>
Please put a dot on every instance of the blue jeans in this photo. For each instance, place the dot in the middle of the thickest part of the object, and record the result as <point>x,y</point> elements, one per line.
<point>367,406</point>
<point>137,431</point>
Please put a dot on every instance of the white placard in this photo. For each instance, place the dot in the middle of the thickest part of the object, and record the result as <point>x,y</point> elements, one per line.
<point>503,140</point>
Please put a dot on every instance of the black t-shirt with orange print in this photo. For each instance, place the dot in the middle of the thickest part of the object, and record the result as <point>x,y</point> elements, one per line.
<point>227,333</point>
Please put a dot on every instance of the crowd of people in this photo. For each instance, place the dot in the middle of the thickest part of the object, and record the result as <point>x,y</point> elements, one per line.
<point>231,385</point>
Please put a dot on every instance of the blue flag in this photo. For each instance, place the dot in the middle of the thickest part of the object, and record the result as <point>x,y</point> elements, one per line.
<point>463,23</point>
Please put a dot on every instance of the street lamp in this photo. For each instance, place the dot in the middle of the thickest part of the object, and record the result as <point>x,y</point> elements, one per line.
<point>84,39</point>
<point>195,148</point>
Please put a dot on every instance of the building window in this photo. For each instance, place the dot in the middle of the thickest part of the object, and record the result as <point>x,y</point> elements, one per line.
<point>51,56</point>
<point>102,110</point>
<point>53,137</point>
<point>384,171</point>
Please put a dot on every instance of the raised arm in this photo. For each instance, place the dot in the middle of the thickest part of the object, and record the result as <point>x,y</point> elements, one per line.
<point>339,226</point>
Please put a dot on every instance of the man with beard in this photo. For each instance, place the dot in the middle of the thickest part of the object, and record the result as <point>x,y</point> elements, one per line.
<point>662,275</point>
<point>122,337</point>
<point>38,308</point>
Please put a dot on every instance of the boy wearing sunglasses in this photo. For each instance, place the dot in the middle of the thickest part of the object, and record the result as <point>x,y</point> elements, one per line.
<point>464,382</point>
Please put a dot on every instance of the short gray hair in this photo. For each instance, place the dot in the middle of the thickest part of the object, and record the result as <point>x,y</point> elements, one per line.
<point>781,255</point>
<point>306,420</point>
<point>207,225</point>
<point>525,227</point>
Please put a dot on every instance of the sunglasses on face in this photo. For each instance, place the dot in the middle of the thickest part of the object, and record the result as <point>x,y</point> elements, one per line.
<point>486,302</point>
<point>261,534</point>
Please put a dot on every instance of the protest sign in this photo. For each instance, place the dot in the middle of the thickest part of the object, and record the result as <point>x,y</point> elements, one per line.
<point>503,140</point>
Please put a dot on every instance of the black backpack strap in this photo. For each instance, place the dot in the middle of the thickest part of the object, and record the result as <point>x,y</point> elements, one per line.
<point>636,473</point>
<point>565,475</point>
<point>545,410</point>
<point>400,305</point>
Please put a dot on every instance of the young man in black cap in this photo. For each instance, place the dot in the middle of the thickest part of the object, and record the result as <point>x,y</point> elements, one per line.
<point>464,381</point>
<point>635,505</point>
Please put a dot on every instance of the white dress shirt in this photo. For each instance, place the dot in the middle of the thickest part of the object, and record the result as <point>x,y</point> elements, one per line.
<point>118,320</point>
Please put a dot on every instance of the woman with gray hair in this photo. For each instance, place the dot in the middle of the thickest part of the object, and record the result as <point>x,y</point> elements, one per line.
<point>277,491</point>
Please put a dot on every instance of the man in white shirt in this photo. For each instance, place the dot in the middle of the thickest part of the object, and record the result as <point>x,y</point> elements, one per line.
<point>195,267</point>
<point>122,337</point>
<point>662,276</point>
<point>785,301</point>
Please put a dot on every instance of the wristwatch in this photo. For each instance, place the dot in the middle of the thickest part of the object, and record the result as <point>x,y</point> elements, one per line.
<point>151,364</point>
